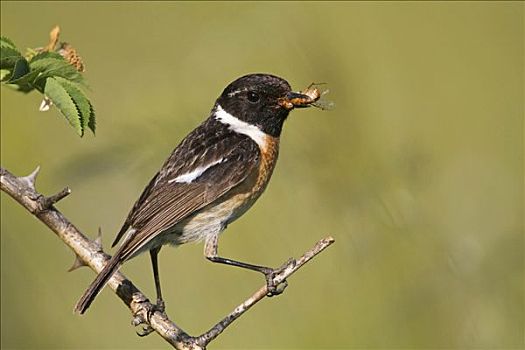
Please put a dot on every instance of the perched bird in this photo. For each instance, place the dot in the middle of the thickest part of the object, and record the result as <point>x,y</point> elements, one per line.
<point>213,177</point>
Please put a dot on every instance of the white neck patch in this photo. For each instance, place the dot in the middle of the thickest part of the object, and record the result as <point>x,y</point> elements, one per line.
<point>241,127</point>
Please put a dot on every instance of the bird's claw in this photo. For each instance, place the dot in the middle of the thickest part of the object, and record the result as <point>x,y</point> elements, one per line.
<point>138,319</point>
<point>160,306</point>
<point>275,289</point>
<point>270,274</point>
<point>145,331</point>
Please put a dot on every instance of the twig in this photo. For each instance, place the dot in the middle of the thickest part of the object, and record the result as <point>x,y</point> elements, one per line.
<point>289,269</point>
<point>89,253</point>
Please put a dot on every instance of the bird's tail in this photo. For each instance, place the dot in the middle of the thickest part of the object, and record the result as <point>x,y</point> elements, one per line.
<point>96,286</point>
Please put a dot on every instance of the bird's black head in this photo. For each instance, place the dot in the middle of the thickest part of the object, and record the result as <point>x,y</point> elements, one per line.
<point>262,100</point>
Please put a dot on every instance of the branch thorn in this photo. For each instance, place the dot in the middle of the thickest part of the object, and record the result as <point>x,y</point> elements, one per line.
<point>30,179</point>
<point>98,240</point>
<point>77,263</point>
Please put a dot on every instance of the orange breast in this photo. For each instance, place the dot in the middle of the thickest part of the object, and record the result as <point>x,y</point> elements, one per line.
<point>243,196</point>
<point>269,155</point>
<point>213,218</point>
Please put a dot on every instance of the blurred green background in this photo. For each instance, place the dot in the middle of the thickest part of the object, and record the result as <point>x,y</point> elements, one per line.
<point>418,172</point>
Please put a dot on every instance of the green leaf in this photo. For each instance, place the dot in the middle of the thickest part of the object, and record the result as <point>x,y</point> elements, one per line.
<point>80,100</point>
<point>91,122</point>
<point>6,42</point>
<point>20,69</point>
<point>51,67</point>
<point>8,57</point>
<point>63,101</point>
<point>26,83</point>
<point>46,54</point>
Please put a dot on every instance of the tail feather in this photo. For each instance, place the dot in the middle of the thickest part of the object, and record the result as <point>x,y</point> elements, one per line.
<point>96,286</point>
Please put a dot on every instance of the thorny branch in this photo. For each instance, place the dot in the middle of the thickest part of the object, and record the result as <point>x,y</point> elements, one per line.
<point>89,253</point>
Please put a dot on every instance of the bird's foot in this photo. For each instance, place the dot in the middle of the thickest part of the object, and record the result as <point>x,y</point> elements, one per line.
<point>139,319</point>
<point>276,288</point>
<point>160,306</point>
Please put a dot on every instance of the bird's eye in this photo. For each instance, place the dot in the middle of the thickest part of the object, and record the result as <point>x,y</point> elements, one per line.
<point>253,97</point>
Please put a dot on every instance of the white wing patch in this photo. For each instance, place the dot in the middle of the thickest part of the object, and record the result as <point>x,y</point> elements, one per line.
<point>194,174</point>
<point>241,127</point>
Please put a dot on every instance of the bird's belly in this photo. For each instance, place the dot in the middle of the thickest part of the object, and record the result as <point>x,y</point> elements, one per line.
<point>212,219</point>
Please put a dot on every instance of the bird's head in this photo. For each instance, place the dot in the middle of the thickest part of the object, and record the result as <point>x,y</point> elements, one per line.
<point>264,100</point>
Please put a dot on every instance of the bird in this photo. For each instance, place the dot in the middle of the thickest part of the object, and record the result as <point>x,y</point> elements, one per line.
<point>211,178</point>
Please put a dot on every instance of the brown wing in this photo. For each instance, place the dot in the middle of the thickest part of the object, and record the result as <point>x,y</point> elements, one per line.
<point>136,206</point>
<point>227,157</point>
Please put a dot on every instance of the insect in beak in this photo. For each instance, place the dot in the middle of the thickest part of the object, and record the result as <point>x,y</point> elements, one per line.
<point>306,98</point>
<point>300,99</point>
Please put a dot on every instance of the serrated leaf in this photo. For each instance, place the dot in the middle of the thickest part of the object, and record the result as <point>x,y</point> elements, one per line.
<point>80,100</point>
<point>6,42</point>
<point>60,97</point>
<point>8,57</point>
<point>26,83</point>
<point>92,123</point>
<point>20,69</point>
<point>51,67</point>
<point>28,78</point>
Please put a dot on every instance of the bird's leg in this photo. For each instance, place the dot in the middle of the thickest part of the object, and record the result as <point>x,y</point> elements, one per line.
<point>211,253</point>
<point>159,306</point>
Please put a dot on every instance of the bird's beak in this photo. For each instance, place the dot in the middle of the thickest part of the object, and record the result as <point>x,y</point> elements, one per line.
<point>301,99</point>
